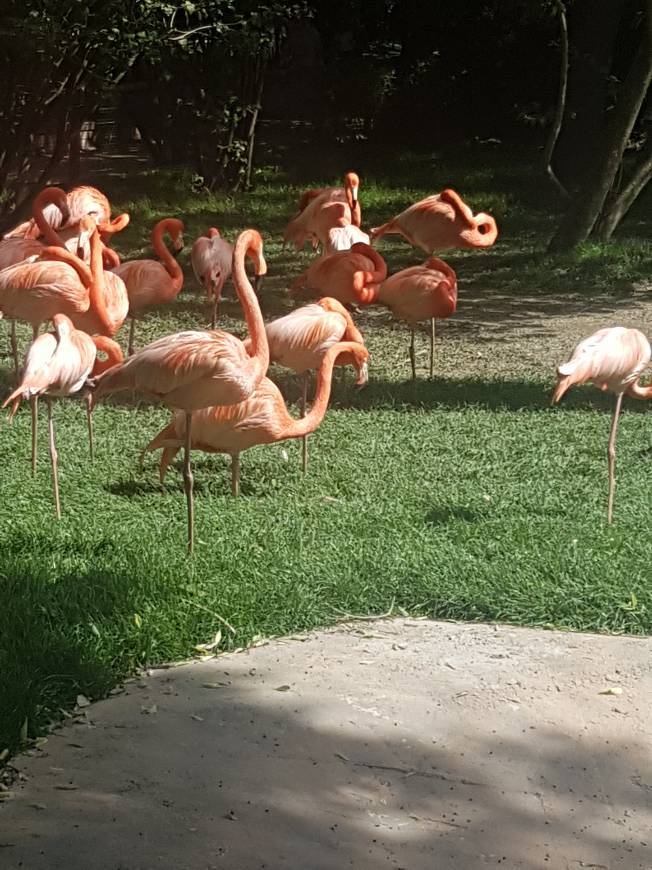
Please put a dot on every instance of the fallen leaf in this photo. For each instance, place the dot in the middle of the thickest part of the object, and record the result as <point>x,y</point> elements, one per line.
<point>612,690</point>
<point>82,701</point>
<point>66,786</point>
<point>197,718</point>
<point>282,689</point>
<point>38,806</point>
<point>215,685</point>
<point>149,710</point>
<point>231,816</point>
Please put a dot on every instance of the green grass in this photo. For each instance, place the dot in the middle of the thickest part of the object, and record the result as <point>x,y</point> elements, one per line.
<point>467,497</point>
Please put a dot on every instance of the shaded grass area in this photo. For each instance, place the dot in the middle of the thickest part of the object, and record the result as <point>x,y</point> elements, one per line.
<point>465,498</point>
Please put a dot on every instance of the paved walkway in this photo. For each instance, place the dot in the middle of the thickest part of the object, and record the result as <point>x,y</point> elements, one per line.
<point>401,744</point>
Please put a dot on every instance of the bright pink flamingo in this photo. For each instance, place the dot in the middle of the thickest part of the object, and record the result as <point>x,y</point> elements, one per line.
<point>193,370</point>
<point>56,282</point>
<point>419,293</point>
<point>58,364</point>
<point>613,359</point>
<point>150,282</point>
<point>211,258</point>
<point>261,419</point>
<point>352,277</point>
<point>306,222</point>
<point>440,222</point>
<point>300,340</point>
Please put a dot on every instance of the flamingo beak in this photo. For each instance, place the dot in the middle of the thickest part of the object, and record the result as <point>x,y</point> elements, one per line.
<point>177,247</point>
<point>354,195</point>
<point>258,283</point>
<point>83,241</point>
<point>363,375</point>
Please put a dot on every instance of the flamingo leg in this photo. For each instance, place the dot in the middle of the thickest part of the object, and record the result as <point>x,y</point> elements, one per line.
<point>130,346</point>
<point>216,309</point>
<point>188,483</point>
<point>304,410</point>
<point>89,422</point>
<point>432,347</point>
<point>34,404</point>
<point>35,331</point>
<point>611,453</point>
<point>412,358</point>
<point>235,474</point>
<point>14,347</point>
<point>54,459</point>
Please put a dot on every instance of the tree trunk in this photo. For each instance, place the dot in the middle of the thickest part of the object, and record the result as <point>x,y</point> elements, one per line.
<point>618,204</point>
<point>561,102</point>
<point>583,213</point>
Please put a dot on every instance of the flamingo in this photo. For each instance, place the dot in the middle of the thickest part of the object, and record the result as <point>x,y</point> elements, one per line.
<point>211,258</point>
<point>333,230</point>
<point>301,339</point>
<point>439,222</point>
<point>305,223</point>
<point>613,359</point>
<point>80,201</point>
<point>56,281</point>
<point>193,370</point>
<point>421,293</point>
<point>352,277</point>
<point>150,282</point>
<point>58,364</point>
<point>261,419</point>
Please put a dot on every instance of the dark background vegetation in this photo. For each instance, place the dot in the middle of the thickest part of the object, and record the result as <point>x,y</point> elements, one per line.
<point>219,86</point>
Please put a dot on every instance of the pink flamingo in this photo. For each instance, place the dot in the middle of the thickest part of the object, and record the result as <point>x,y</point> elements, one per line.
<point>261,419</point>
<point>306,222</point>
<point>420,293</point>
<point>352,277</point>
<point>439,222</point>
<point>56,282</point>
<point>211,258</point>
<point>333,230</point>
<point>58,364</point>
<point>300,340</point>
<point>613,359</point>
<point>193,370</point>
<point>150,282</point>
<point>79,202</point>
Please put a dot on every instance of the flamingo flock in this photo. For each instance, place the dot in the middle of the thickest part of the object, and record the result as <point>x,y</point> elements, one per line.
<point>60,267</point>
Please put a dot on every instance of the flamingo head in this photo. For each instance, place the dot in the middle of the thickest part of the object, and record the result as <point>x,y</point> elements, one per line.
<point>482,235</point>
<point>87,227</point>
<point>212,233</point>
<point>255,254</point>
<point>175,230</point>
<point>361,364</point>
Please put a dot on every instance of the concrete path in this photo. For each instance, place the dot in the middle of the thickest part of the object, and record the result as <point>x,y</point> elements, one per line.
<point>401,744</point>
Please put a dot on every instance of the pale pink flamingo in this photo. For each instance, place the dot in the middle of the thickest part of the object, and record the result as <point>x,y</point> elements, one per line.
<point>150,282</point>
<point>333,230</point>
<point>613,359</point>
<point>352,277</point>
<point>440,222</point>
<point>193,370</point>
<point>305,223</point>
<point>56,282</point>
<point>58,364</point>
<point>211,258</point>
<point>261,419</point>
<point>419,293</point>
<point>80,201</point>
<point>300,340</point>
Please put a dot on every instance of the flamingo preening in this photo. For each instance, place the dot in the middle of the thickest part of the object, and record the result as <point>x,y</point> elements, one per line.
<point>150,282</point>
<point>192,370</point>
<point>261,419</point>
<point>613,359</point>
<point>352,277</point>
<point>57,364</point>
<point>309,219</point>
<point>211,258</point>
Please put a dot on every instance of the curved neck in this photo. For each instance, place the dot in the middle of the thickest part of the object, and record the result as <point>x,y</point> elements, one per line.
<point>50,196</point>
<point>65,256</point>
<point>116,225</point>
<point>112,350</point>
<point>255,325</point>
<point>308,424</point>
<point>380,266</point>
<point>636,391</point>
<point>461,209</point>
<point>160,248</point>
<point>96,289</point>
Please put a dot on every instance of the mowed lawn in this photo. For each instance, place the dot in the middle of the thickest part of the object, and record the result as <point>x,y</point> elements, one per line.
<point>465,497</point>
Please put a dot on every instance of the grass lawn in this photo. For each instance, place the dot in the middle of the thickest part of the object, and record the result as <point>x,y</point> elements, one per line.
<point>465,497</point>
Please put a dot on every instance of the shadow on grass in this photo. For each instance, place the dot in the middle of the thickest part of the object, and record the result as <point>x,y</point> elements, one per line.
<point>444,515</point>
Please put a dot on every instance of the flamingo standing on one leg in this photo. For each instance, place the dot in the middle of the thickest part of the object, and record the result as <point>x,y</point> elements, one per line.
<point>613,359</point>
<point>211,258</point>
<point>193,370</point>
<point>422,292</point>
<point>58,364</point>
<point>261,419</point>
<point>352,277</point>
<point>301,339</point>
<point>150,282</point>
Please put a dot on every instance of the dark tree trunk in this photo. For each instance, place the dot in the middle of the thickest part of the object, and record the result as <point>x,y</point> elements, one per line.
<point>583,212</point>
<point>555,128</point>
<point>618,203</point>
